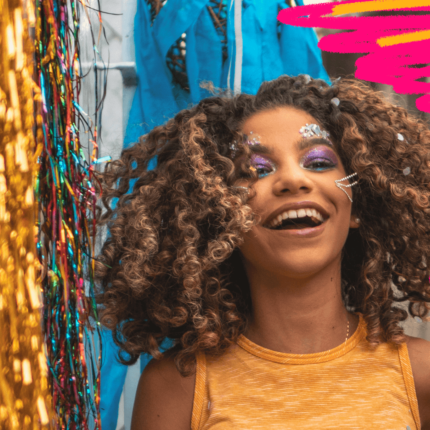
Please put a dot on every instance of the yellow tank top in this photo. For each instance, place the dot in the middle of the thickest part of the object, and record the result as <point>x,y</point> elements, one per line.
<point>349,387</point>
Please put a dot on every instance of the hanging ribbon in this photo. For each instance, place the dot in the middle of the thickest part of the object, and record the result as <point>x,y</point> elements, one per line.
<point>65,192</point>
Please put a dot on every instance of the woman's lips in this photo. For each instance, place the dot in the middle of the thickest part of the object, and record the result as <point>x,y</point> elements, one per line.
<point>296,207</point>
<point>302,232</point>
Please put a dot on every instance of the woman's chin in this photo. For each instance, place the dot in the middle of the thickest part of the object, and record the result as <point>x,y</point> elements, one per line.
<point>296,265</point>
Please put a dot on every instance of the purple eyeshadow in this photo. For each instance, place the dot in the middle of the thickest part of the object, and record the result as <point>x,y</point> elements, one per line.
<point>321,153</point>
<point>259,162</point>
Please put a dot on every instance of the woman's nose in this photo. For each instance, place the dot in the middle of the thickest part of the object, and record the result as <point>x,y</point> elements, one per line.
<point>292,179</point>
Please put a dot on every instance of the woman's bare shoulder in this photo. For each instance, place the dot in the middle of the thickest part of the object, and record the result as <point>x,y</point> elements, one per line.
<point>164,398</point>
<point>419,354</point>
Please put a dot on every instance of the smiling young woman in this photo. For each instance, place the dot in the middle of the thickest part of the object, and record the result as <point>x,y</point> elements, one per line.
<point>273,244</point>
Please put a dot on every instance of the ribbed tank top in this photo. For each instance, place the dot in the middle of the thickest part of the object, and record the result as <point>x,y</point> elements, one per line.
<point>352,386</point>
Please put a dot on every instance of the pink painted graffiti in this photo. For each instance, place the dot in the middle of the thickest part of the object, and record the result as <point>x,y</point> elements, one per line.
<point>394,65</point>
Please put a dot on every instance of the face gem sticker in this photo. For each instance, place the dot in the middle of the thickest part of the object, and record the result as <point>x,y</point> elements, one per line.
<point>314,130</point>
<point>252,139</point>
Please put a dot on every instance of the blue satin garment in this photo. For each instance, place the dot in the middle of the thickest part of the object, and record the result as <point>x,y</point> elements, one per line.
<point>270,49</point>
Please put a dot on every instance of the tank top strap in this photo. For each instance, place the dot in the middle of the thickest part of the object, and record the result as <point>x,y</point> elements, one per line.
<point>200,392</point>
<point>409,382</point>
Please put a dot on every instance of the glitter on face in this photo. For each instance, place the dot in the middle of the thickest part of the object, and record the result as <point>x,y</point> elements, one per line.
<point>262,166</point>
<point>314,130</point>
<point>252,139</point>
<point>319,158</point>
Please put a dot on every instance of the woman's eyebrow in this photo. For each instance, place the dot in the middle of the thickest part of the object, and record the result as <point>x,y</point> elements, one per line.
<point>308,143</point>
<point>260,149</point>
<point>303,144</point>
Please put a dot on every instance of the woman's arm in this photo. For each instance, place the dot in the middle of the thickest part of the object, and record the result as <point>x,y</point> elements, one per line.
<point>419,354</point>
<point>164,398</point>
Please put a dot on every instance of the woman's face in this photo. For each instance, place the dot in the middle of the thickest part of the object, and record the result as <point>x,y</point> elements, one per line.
<point>296,185</point>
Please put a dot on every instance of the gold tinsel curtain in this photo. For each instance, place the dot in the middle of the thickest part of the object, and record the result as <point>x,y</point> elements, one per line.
<point>24,400</point>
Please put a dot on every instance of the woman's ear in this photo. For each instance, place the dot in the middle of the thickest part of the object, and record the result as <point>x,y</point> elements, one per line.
<point>354,221</point>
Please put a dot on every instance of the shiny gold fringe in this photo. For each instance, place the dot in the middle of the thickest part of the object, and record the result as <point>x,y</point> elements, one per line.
<point>24,398</point>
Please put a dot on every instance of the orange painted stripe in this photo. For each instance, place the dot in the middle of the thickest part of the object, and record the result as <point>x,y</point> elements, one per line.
<point>377,5</point>
<point>404,38</point>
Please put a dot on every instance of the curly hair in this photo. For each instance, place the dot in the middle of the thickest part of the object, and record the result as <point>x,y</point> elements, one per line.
<point>171,267</point>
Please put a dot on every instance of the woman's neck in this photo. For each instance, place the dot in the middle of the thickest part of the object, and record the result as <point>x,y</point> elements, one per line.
<point>298,315</point>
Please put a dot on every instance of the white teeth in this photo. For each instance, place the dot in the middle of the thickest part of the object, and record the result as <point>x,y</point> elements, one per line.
<point>291,214</point>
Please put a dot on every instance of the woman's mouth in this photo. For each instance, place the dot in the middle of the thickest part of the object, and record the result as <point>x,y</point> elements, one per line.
<point>304,218</point>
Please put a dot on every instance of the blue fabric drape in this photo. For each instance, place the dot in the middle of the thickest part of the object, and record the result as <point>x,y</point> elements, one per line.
<point>112,380</point>
<point>269,51</point>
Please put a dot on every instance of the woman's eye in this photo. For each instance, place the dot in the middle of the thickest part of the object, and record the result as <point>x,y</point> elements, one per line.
<point>263,171</point>
<point>262,166</point>
<point>319,164</point>
<point>319,159</point>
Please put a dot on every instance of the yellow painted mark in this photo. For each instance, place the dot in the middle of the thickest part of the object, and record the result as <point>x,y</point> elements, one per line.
<point>378,5</point>
<point>416,36</point>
